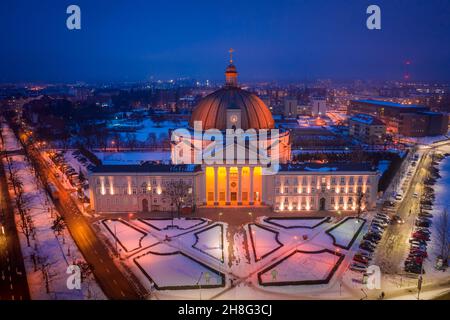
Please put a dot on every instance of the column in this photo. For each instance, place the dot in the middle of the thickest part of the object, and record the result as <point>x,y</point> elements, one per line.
<point>216,182</point>
<point>251,186</point>
<point>239,195</point>
<point>228,186</point>
<point>203,188</point>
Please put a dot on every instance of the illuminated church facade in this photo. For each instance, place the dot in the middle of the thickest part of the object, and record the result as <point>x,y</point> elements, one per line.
<point>221,172</point>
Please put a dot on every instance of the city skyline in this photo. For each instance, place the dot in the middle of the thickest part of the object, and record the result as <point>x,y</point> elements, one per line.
<point>280,42</point>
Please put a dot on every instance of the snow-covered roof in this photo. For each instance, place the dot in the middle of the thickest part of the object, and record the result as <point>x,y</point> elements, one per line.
<point>147,168</point>
<point>366,119</point>
<point>390,104</point>
<point>328,167</point>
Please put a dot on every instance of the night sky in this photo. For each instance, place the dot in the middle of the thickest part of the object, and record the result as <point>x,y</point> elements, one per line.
<point>274,40</point>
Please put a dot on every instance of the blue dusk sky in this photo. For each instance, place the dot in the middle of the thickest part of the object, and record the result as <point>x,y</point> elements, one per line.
<point>274,40</point>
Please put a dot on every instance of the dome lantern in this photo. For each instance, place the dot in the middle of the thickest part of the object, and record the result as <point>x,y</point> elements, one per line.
<point>231,72</point>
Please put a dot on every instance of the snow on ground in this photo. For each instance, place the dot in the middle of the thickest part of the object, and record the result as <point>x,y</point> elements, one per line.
<point>176,270</point>
<point>10,141</point>
<point>148,126</point>
<point>132,157</point>
<point>301,267</point>
<point>383,165</point>
<point>75,164</point>
<point>346,231</point>
<point>442,194</point>
<point>129,237</point>
<point>175,261</point>
<point>263,241</point>
<point>210,241</point>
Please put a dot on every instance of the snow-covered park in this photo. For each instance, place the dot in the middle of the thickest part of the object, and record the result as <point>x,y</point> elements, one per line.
<point>184,258</point>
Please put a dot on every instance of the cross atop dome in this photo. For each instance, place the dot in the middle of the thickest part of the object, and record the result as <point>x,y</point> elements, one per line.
<point>231,55</point>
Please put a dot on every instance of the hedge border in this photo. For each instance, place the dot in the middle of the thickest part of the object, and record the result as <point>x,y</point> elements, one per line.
<point>128,225</point>
<point>221,234</point>
<point>302,282</point>
<point>349,245</point>
<point>253,241</point>
<point>184,287</point>
<point>269,220</point>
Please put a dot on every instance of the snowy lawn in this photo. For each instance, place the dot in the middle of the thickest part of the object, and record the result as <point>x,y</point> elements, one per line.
<point>346,231</point>
<point>177,271</point>
<point>302,268</point>
<point>128,236</point>
<point>296,222</point>
<point>263,240</point>
<point>210,241</point>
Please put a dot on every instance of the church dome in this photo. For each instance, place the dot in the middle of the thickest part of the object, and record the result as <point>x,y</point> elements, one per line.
<point>214,109</point>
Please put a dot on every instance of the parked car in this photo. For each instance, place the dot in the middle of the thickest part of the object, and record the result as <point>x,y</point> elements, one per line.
<point>358,267</point>
<point>423,230</point>
<point>369,243</point>
<point>421,236</point>
<point>422,224</point>
<point>419,253</point>
<point>365,254</point>
<point>361,261</point>
<point>380,223</point>
<point>372,235</point>
<point>366,247</point>
<point>376,228</point>
<point>383,217</point>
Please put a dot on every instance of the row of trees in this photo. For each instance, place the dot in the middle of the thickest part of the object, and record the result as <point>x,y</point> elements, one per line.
<point>42,261</point>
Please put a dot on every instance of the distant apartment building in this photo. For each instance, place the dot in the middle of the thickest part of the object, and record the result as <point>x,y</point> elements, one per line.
<point>367,128</point>
<point>319,106</point>
<point>290,107</point>
<point>404,119</point>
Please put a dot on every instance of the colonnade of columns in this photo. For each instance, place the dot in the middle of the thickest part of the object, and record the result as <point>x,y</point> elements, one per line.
<point>233,185</point>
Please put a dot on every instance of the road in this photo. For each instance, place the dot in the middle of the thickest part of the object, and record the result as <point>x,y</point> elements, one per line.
<point>113,283</point>
<point>13,279</point>
<point>394,245</point>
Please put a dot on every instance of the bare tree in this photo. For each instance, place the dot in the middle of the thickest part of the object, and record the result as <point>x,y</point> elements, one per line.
<point>87,271</point>
<point>151,139</point>
<point>180,194</point>
<point>131,140</point>
<point>58,225</point>
<point>443,235</point>
<point>359,202</point>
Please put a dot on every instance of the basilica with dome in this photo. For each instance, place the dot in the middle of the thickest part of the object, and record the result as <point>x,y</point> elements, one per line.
<point>233,155</point>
